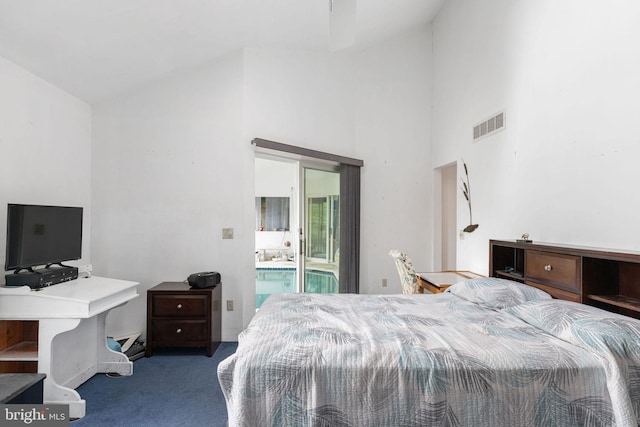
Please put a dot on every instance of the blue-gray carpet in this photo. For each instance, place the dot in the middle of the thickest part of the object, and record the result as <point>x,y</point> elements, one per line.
<point>171,388</point>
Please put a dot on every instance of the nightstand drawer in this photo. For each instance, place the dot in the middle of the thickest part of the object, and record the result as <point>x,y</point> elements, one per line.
<point>179,332</point>
<point>179,305</point>
<point>558,269</point>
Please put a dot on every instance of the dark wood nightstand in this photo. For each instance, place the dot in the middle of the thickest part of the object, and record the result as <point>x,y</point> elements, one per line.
<point>181,316</point>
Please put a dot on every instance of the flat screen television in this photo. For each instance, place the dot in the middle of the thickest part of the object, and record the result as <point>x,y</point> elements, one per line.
<point>42,235</point>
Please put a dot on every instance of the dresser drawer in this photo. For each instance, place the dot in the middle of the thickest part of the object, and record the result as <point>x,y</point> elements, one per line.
<point>179,332</point>
<point>179,305</point>
<point>563,270</point>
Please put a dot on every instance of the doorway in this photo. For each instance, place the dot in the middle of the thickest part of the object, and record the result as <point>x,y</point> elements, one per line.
<point>445,216</point>
<point>297,226</point>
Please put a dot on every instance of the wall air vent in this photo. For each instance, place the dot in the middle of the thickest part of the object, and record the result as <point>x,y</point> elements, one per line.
<point>493,124</point>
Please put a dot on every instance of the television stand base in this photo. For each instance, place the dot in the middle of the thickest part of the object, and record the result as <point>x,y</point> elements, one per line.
<point>42,278</point>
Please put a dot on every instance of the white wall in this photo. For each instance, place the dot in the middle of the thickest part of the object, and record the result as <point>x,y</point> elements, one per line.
<point>173,164</point>
<point>564,170</point>
<point>393,134</point>
<point>301,98</point>
<point>275,178</point>
<point>170,171</point>
<point>45,147</point>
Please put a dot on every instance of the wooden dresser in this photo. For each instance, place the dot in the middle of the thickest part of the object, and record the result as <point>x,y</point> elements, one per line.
<point>180,316</point>
<point>600,277</point>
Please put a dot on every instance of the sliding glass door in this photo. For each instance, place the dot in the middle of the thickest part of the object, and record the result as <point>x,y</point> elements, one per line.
<point>321,231</point>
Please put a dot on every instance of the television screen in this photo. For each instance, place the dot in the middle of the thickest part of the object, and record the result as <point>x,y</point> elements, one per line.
<point>42,235</point>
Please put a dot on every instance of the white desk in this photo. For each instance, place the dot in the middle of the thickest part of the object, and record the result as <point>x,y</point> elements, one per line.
<point>72,343</point>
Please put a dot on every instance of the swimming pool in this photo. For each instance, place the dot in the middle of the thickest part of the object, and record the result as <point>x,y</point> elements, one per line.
<point>275,280</point>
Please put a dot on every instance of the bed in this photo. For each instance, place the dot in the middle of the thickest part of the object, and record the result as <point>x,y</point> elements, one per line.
<point>488,352</point>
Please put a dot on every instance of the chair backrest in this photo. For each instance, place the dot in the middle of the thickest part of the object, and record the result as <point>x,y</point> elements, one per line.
<point>408,277</point>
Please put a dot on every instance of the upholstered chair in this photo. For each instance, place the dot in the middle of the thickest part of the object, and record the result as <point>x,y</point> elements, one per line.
<point>408,277</point>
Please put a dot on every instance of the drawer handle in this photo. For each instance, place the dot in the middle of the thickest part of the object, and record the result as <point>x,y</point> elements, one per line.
<point>179,331</point>
<point>179,306</point>
<point>548,267</point>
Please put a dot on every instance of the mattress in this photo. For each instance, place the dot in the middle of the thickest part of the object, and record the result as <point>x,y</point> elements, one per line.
<point>408,360</point>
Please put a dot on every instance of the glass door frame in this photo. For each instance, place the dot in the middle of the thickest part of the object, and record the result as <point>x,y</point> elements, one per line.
<point>303,217</point>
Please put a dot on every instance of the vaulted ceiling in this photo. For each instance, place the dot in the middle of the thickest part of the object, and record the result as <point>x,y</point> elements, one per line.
<point>95,49</point>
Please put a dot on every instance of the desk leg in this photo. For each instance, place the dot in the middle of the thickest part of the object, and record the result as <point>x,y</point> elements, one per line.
<point>110,361</point>
<point>53,392</point>
<point>103,360</point>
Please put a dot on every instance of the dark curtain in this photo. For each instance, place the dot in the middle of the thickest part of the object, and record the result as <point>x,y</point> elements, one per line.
<point>349,281</point>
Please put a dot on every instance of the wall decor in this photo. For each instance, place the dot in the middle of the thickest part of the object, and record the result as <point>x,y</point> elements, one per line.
<point>466,191</point>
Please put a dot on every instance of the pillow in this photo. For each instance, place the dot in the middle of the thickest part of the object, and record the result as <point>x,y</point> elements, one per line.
<point>496,293</point>
<point>584,325</point>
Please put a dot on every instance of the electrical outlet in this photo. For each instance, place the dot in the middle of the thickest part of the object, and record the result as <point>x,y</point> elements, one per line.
<point>227,233</point>
<point>229,305</point>
<point>384,282</point>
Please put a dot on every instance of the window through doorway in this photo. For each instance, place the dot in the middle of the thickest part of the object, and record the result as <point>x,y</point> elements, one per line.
<point>321,260</point>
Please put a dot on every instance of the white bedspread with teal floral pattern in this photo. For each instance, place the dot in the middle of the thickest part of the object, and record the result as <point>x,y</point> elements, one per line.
<point>415,360</point>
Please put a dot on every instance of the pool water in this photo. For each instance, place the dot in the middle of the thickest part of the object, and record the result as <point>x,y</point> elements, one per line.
<point>276,280</point>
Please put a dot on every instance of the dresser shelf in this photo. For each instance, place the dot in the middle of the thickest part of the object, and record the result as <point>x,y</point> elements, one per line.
<point>26,351</point>
<point>628,303</point>
<point>18,346</point>
<point>516,276</point>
